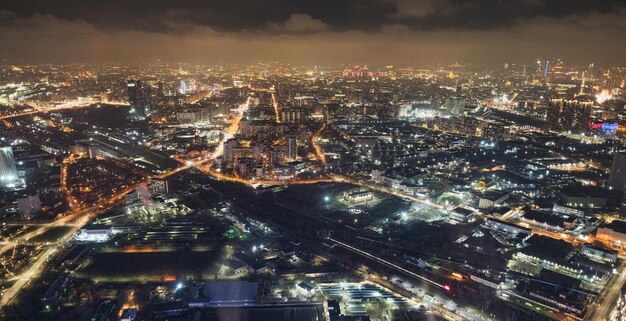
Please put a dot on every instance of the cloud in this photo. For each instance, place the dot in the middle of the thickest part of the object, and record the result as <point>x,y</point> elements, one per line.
<point>337,15</point>
<point>304,23</point>
<point>298,37</point>
<point>414,8</point>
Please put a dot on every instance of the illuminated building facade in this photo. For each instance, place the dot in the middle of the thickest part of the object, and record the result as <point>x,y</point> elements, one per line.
<point>8,170</point>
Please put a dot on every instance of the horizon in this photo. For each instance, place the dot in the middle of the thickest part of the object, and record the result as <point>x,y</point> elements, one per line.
<point>315,32</point>
<point>299,160</point>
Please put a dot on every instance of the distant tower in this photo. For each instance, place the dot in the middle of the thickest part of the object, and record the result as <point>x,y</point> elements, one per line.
<point>591,72</point>
<point>28,206</point>
<point>228,155</point>
<point>455,104</point>
<point>160,88</point>
<point>569,115</point>
<point>617,176</point>
<point>183,87</point>
<point>8,170</point>
<point>292,149</point>
<point>139,99</point>
<point>582,85</point>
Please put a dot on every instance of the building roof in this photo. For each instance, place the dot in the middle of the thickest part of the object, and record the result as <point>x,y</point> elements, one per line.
<point>282,312</point>
<point>229,292</point>
<point>305,286</point>
<point>235,264</point>
<point>558,278</point>
<point>463,211</point>
<point>129,314</point>
<point>548,248</point>
<point>585,192</point>
<point>494,195</point>
<point>350,318</point>
<point>617,226</point>
<point>96,227</point>
<point>546,218</point>
<point>519,228</point>
<point>248,260</point>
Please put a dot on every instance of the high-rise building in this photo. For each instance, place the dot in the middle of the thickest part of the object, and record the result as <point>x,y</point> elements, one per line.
<point>141,193</point>
<point>8,170</point>
<point>28,206</point>
<point>617,176</point>
<point>183,87</point>
<point>569,114</point>
<point>139,99</point>
<point>554,70</point>
<point>455,105</point>
<point>292,149</point>
<point>229,145</point>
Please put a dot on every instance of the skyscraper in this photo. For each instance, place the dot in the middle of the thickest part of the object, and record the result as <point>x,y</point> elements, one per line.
<point>455,105</point>
<point>8,171</point>
<point>569,114</point>
<point>28,206</point>
<point>228,156</point>
<point>617,176</point>
<point>292,149</point>
<point>139,99</point>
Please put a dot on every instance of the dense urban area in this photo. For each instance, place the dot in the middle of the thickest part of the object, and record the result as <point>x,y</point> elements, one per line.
<point>281,192</point>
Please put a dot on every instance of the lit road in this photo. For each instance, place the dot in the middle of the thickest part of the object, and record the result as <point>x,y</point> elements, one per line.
<point>64,221</point>
<point>34,224</point>
<point>202,165</point>
<point>318,151</point>
<point>81,216</point>
<point>65,105</point>
<point>276,108</point>
<point>229,133</point>
<point>231,130</point>
<point>205,166</point>
<point>608,298</point>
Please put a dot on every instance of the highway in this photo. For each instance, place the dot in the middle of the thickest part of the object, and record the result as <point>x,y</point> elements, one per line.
<point>77,218</point>
<point>318,151</point>
<point>82,216</point>
<point>276,108</point>
<point>65,105</point>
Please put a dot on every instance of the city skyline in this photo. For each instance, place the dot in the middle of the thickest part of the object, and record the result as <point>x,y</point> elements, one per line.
<point>313,160</point>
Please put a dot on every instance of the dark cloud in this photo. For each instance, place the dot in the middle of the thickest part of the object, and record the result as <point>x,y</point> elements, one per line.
<point>420,31</point>
<point>221,15</point>
<point>489,14</point>
<point>338,15</point>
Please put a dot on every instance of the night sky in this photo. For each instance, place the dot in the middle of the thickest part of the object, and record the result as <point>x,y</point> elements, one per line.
<point>313,31</point>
